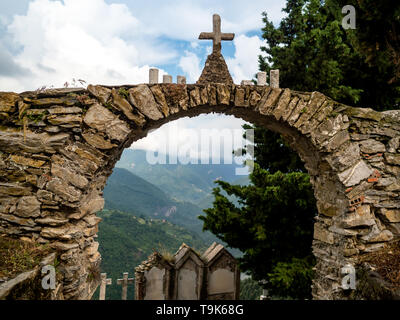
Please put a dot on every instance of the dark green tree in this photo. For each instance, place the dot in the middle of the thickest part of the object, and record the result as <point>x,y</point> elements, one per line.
<point>377,34</point>
<point>314,53</point>
<point>272,224</point>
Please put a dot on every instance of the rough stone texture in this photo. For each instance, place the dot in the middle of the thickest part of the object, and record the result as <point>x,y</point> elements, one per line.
<point>27,285</point>
<point>53,171</point>
<point>215,70</point>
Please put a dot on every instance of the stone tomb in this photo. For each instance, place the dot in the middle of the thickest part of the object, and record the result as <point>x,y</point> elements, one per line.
<point>153,279</point>
<point>214,275</point>
<point>222,274</point>
<point>189,274</point>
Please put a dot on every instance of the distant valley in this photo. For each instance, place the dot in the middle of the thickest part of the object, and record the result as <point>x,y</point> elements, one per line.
<point>155,207</point>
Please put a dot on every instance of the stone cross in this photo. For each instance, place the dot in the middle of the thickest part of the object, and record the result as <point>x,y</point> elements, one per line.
<point>216,36</point>
<point>125,281</point>
<point>103,284</point>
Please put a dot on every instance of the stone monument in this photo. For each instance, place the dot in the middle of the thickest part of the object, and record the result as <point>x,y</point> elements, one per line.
<point>189,276</point>
<point>216,70</point>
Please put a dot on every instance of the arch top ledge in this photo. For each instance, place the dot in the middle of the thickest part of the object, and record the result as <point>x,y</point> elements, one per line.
<point>58,146</point>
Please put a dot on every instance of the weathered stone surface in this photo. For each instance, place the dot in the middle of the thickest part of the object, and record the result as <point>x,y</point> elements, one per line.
<point>282,104</point>
<point>287,111</point>
<point>104,120</point>
<point>297,111</point>
<point>328,128</point>
<point>361,217</point>
<point>101,93</point>
<point>316,101</point>
<point>62,246</point>
<point>63,190</point>
<point>70,120</point>
<point>393,144</point>
<point>127,109</point>
<point>215,70</point>
<point>90,232</point>
<point>377,236</point>
<point>17,220</point>
<point>351,155</point>
<point>10,189</point>
<point>160,99</point>
<point>240,97</point>
<point>392,158</point>
<point>8,101</point>
<point>7,203</point>
<point>223,94</point>
<point>372,146</point>
<point>92,220</point>
<point>69,176</point>
<point>142,98</point>
<point>92,249</point>
<point>195,98</point>
<point>355,174</point>
<point>66,232</point>
<point>321,234</point>
<point>97,141</point>
<point>364,113</point>
<point>28,207</point>
<point>7,287</point>
<point>51,221</point>
<point>62,110</point>
<point>91,204</point>
<point>86,158</point>
<point>212,95</point>
<point>46,102</point>
<point>34,143</point>
<point>345,156</point>
<point>390,215</point>
<point>268,102</point>
<point>254,98</point>
<point>27,161</point>
<point>336,141</point>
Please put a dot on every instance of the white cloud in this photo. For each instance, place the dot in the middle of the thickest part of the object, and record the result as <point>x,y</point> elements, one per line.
<point>81,39</point>
<point>190,64</point>
<point>185,19</point>
<point>244,65</point>
<point>57,40</point>
<point>188,133</point>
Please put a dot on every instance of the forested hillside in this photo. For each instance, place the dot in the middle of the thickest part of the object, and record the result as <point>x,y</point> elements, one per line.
<point>127,192</point>
<point>190,182</point>
<point>126,240</point>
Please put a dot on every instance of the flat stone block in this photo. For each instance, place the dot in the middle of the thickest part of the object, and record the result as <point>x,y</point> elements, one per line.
<point>153,76</point>
<point>167,78</point>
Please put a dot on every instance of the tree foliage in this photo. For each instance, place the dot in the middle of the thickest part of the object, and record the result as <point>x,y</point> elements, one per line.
<point>250,289</point>
<point>274,220</point>
<point>272,224</point>
<point>314,53</point>
<point>377,34</point>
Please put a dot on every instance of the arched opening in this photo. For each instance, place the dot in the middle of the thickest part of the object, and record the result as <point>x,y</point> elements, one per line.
<point>77,136</point>
<point>159,187</point>
<point>320,171</point>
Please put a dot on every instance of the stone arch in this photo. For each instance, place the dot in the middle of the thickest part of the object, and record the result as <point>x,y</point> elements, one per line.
<point>59,146</point>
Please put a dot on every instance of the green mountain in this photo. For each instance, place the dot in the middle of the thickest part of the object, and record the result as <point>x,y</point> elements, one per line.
<point>151,207</point>
<point>126,240</point>
<point>189,182</point>
<point>127,192</point>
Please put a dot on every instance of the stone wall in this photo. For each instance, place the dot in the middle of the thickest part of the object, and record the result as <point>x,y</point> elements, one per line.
<point>57,148</point>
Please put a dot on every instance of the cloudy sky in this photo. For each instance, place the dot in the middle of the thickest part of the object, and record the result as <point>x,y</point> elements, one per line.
<point>50,42</point>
